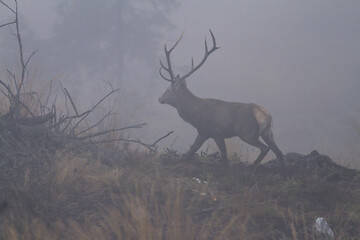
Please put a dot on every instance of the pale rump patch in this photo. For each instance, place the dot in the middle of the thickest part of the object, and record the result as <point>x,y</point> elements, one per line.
<point>263,118</point>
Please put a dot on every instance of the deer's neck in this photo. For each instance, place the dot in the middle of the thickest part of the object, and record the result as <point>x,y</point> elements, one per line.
<point>187,104</point>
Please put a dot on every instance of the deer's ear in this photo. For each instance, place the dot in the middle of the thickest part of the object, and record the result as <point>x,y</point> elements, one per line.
<point>179,82</point>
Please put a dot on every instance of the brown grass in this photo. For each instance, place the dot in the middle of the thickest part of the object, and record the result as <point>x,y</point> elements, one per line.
<point>74,196</point>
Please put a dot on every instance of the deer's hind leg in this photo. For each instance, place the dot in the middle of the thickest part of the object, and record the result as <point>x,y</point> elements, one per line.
<point>269,140</point>
<point>255,141</point>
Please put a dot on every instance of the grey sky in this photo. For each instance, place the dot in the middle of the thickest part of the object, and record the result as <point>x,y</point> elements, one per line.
<point>299,59</point>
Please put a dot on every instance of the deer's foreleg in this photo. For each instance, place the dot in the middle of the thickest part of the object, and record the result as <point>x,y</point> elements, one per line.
<point>220,142</point>
<point>200,139</point>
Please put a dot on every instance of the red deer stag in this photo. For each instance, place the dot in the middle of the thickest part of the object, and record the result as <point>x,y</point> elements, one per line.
<point>215,118</point>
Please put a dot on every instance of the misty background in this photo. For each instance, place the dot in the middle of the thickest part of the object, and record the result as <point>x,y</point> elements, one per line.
<point>298,59</point>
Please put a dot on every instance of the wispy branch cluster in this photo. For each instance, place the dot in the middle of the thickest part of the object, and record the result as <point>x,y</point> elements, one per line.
<point>14,95</point>
<point>65,124</point>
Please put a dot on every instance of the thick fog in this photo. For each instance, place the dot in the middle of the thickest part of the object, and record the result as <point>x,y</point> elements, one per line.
<point>298,59</point>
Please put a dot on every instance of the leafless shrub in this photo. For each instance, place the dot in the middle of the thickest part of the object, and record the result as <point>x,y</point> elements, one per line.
<point>29,108</point>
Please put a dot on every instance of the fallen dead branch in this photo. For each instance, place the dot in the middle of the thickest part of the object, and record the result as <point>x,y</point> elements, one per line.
<point>152,147</point>
<point>109,131</point>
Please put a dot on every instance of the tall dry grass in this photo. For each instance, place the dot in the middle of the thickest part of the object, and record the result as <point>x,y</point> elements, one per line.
<point>75,196</point>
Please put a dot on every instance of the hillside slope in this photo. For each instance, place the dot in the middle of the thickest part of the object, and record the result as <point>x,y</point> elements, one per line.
<point>53,188</point>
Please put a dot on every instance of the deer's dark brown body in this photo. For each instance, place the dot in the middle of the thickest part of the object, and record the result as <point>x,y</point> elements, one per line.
<point>218,119</point>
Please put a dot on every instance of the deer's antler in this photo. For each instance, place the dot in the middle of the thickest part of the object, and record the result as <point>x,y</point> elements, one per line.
<point>168,68</point>
<point>207,54</point>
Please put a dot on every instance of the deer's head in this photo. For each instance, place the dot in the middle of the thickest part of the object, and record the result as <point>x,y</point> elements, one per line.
<point>173,92</point>
<point>178,83</point>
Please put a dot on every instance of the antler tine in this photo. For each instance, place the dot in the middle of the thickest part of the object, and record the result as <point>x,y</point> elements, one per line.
<point>206,47</point>
<point>165,78</point>
<point>167,54</point>
<point>207,53</point>
<point>168,68</point>
<point>176,42</point>
<point>162,66</point>
<point>213,38</point>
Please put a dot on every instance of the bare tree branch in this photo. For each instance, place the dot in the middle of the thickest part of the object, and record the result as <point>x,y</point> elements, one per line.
<point>7,6</point>
<point>97,104</point>
<point>62,119</point>
<point>9,23</point>
<point>26,107</point>
<point>3,92</point>
<point>66,103</point>
<point>151,147</point>
<point>12,76</point>
<point>71,101</point>
<point>49,93</point>
<point>109,131</point>
<point>29,58</point>
<point>18,35</point>
<point>77,116</point>
<point>165,136</point>
<point>7,88</point>
<point>95,125</point>
<point>109,83</point>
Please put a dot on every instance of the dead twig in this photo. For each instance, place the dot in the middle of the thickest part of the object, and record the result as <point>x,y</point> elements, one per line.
<point>7,6</point>
<point>151,147</point>
<point>95,125</point>
<point>7,88</point>
<point>9,23</point>
<point>71,101</point>
<point>165,136</point>
<point>49,94</point>
<point>12,76</point>
<point>63,119</point>
<point>92,109</point>
<point>109,131</point>
<point>31,55</point>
